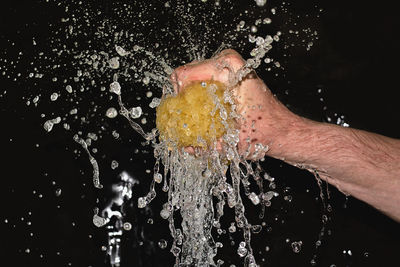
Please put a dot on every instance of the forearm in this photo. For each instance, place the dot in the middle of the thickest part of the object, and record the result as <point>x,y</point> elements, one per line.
<point>362,164</point>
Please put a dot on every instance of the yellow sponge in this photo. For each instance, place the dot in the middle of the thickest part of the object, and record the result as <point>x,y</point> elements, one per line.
<point>191,118</point>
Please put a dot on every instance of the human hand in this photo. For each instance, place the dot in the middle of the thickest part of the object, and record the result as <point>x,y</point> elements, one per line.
<point>263,119</point>
<point>343,157</point>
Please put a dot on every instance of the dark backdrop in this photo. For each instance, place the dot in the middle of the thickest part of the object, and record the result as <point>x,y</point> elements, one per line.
<point>354,63</point>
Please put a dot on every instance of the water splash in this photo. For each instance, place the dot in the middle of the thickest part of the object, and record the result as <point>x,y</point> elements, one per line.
<point>113,216</point>
<point>115,46</point>
<point>95,165</point>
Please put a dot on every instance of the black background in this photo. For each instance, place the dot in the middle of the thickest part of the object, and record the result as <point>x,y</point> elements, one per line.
<point>354,62</point>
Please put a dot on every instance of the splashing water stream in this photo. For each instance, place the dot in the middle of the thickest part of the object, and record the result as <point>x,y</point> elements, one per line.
<point>119,56</point>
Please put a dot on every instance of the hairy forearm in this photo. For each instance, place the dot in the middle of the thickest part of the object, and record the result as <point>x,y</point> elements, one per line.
<point>362,164</point>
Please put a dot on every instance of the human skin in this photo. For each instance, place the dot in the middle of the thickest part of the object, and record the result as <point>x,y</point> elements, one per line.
<point>362,164</point>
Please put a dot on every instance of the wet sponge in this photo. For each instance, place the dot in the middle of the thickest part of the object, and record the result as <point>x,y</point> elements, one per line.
<point>192,118</point>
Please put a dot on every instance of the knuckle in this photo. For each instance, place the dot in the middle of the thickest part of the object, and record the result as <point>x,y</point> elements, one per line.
<point>232,57</point>
<point>177,73</point>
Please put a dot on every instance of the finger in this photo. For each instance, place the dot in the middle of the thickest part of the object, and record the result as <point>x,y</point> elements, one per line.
<point>228,51</point>
<point>175,79</point>
<point>219,144</point>
<point>189,149</point>
<point>195,71</point>
<point>201,71</point>
<point>231,60</point>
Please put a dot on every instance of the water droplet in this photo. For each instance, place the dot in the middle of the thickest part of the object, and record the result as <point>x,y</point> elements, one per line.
<point>136,112</point>
<point>36,99</point>
<point>111,113</point>
<point>268,195</point>
<point>115,134</point>
<point>58,192</point>
<point>53,96</point>
<point>250,261</point>
<point>176,251</point>
<point>232,228</point>
<point>114,63</point>
<point>242,250</point>
<point>142,202</point>
<point>256,229</point>
<point>162,243</point>
<point>115,88</point>
<point>146,81</point>
<point>267,21</point>
<point>288,198</point>
<point>68,88</point>
<point>261,2</point>
<point>164,213</point>
<point>155,102</point>
<point>254,198</point>
<point>157,177</point>
<point>48,125</point>
<point>99,221</point>
<point>121,51</point>
<point>114,164</point>
<point>296,246</point>
<point>127,226</point>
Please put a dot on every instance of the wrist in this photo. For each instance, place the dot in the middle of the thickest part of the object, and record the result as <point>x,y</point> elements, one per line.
<point>293,139</point>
